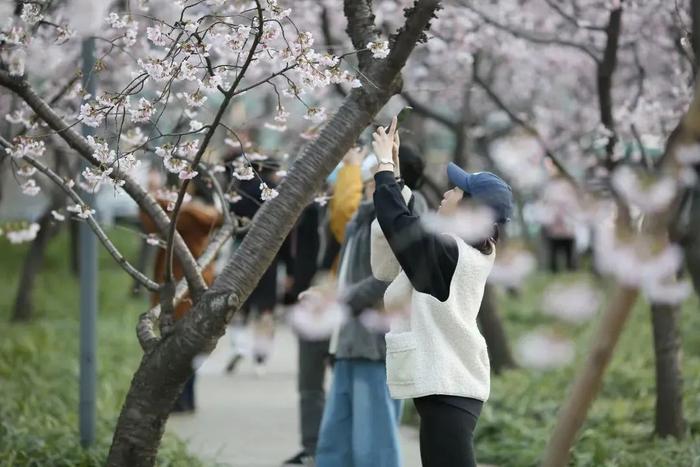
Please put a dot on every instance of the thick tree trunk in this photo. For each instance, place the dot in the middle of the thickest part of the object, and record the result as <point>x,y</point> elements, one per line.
<point>24,306</point>
<point>669,375</point>
<point>494,333</point>
<point>164,370</point>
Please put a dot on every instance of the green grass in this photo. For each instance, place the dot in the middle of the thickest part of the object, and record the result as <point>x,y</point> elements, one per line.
<point>39,362</point>
<point>39,379</point>
<point>519,416</point>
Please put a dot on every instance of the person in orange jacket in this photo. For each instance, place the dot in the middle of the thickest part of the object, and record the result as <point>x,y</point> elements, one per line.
<point>196,221</point>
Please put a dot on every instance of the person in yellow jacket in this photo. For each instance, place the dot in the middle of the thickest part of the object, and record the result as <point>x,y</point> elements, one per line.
<point>347,195</point>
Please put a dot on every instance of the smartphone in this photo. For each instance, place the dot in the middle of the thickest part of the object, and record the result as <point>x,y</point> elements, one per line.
<point>403,115</point>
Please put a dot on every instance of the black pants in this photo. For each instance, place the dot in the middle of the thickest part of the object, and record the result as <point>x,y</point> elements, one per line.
<point>313,359</point>
<point>565,247</point>
<point>446,431</point>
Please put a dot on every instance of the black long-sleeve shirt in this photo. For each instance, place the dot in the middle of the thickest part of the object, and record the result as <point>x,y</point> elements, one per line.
<point>429,260</point>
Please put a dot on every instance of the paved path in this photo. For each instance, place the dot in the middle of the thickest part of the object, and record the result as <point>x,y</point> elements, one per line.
<point>247,421</point>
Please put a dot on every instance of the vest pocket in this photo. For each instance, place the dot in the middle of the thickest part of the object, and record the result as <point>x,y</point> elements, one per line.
<point>400,358</point>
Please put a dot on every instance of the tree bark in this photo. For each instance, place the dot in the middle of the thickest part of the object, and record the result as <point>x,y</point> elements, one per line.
<point>606,69</point>
<point>495,334</point>
<point>164,370</point>
<point>669,376</point>
<point>23,309</point>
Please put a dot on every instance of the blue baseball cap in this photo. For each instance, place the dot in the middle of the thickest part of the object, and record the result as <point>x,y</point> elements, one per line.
<point>484,187</point>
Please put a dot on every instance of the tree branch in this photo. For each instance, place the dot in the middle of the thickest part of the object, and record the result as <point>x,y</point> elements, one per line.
<point>531,36</point>
<point>81,146</point>
<point>526,126</point>
<point>99,233</point>
<point>428,112</point>
<point>606,68</point>
<point>228,95</point>
<point>145,329</point>
<point>361,29</point>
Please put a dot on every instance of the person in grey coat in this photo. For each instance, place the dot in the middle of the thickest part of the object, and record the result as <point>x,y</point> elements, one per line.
<point>360,421</point>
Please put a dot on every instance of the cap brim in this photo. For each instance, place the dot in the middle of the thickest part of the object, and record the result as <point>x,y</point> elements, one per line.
<point>458,177</point>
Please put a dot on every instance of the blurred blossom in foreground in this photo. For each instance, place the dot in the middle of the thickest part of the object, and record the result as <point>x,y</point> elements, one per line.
<point>574,302</point>
<point>669,292</point>
<point>318,313</point>
<point>471,223</point>
<point>648,194</point>
<point>26,234</point>
<point>520,158</point>
<point>639,262</point>
<point>376,321</point>
<point>542,350</point>
<point>512,267</point>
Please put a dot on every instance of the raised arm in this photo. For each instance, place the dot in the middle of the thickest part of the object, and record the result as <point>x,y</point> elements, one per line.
<point>429,260</point>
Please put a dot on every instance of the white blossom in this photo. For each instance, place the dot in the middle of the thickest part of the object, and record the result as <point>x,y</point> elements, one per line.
<point>267,193</point>
<point>187,173</point>
<point>153,239</point>
<point>81,210</point>
<point>244,172</point>
<point>194,99</point>
<point>26,171</point>
<point>379,49</point>
<point>26,146</point>
<point>157,36</point>
<point>26,234</point>
<point>316,114</point>
<point>91,115</point>
<point>101,151</point>
<point>31,13</point>
<point>57,216</point>
<point>143,112</point>
<point>30,188</point>
<point>92,179</point>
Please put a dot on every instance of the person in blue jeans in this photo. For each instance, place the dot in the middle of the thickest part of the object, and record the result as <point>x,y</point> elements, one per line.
<point>360,422</point>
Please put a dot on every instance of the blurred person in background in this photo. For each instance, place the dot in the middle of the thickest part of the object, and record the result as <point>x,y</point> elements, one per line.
<point>262,301</point>
<point>196,221</point>
<point>560,228</point>
<point>360,422</point>
<point>346,182</point>
<point>436,354</point>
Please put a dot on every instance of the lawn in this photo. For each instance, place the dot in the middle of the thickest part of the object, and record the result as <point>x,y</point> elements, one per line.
<point>39,379</point>
<point>39,362</point>
<point>520,414</point>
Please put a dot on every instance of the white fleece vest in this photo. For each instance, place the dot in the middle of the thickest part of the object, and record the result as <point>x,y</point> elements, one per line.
<point>437,348</point>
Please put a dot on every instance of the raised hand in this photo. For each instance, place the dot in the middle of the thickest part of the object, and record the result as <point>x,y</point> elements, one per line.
<point>383,143</point>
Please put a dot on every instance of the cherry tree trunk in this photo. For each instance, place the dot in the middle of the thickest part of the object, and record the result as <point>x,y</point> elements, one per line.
<point>494,333</point>
<point>167,366</point>
<point>669,419</point>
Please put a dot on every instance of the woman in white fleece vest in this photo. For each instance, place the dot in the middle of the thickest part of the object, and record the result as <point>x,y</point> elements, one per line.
<point>436,354</point>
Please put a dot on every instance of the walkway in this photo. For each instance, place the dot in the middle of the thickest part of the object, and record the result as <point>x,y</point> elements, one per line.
<point>247,421</point>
